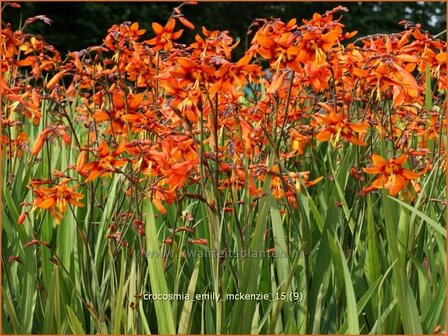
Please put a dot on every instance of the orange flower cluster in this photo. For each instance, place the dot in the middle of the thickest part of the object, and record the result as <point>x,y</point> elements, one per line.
<point>170,116</point>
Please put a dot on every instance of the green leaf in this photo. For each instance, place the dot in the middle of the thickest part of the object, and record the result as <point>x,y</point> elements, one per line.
<point>407,305</point>
<point>185,317</point>
<point>118,297</point>
<point>11,312</point>
<point>352,311</point>
<point>426,218</point>
<point>74,323</point>
<point>244,310</point>
<point>164,314</point>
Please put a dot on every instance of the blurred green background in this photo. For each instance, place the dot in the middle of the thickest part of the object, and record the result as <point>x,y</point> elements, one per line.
<point>79,25</point>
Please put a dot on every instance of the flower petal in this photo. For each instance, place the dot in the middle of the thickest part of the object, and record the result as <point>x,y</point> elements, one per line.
<point>158,29</point>
<point>378,160</point>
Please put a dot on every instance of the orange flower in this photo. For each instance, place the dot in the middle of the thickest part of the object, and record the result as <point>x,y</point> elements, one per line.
<point>124,110</point>
<point>393,176</point>
<point>30,101</point>
<point>319,36</point>
<point>120,34</point>
<point>298,141</point>
<point>216,43</point>
<point>14,147</point>
<point>281,52</point>
<point>177,174</point>
<point>318,75</point>
<point>236,179</point>
<point>233,76</point>
<point>11,42</point>
<point>48,132</point>
<point>277,42</point>
<point>56,198</point>
<point>165,35</point>
<point>336,124</point>
<point>179,148</point>
<point>159,194</point>
<point>282,181</point>
<point>106,164</point>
